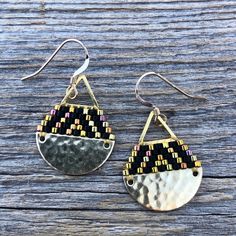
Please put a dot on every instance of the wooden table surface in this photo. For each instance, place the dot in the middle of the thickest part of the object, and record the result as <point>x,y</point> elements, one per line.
<point>193,43</point>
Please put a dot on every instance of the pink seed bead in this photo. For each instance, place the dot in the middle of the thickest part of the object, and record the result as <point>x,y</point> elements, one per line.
<point>148,153</point>
<point>103,118</point>
<point>136,148</point>
<point>58,125</point>
<point>67,115</point>
<point>189,152</point>
<point>53,112</point>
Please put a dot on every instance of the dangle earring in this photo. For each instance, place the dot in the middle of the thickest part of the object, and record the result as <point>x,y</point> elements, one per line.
<point>74,139</point>
<point>161,175</point>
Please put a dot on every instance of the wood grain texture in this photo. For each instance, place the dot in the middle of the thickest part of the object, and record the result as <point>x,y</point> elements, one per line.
<point>193,43</point>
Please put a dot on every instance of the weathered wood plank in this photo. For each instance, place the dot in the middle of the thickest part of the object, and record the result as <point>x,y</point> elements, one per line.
<point>191,42</point>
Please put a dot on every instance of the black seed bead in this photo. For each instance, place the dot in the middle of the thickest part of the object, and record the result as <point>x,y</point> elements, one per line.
<point>158,146</point>
<point>105,136</point>
<point>161,168</point>
<point>156,152</point>
<point>173,144</point>
<point>91,135</point>
<point>147,170</point>
<point>144,148</point>
<point>96,118</point>
<point>79,110</point>
<point>176,166</point>
<point>132,172</point>
<point>50,123</point>
<point>101,129</point>
<point>64,109</point>
<point>73,115</point>
<point>61,130</point>
<point>190,164</point>
<point>92,112</point>
<point>186,159</point>
<point>76,132</point>
<point>47,129</point>
<point>141,153</point>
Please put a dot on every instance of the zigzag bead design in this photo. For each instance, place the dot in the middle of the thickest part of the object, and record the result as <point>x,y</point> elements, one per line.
<point>160,157</point>
<point>77,121</point>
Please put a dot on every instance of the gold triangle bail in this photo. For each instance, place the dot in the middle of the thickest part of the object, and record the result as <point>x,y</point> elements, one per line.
<point>162,122</point>
<point>71,91</point>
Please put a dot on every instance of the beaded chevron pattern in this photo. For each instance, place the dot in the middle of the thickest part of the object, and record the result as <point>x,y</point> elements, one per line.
<point>166,156</point>
<point>73,120</point>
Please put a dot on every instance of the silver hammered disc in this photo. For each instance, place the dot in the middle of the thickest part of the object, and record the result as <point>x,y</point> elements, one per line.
<point>166,190</point>
<point>74,155</point>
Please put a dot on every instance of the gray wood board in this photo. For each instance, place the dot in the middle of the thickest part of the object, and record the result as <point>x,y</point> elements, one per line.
<point>193,43</point>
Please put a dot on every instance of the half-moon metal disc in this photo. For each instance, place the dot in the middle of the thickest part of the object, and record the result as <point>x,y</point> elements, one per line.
<point>164,191</point>
<point>74,155</point>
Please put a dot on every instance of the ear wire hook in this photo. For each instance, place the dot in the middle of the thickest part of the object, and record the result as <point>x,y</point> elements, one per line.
<point>76,73</point>
<point>149,104</point>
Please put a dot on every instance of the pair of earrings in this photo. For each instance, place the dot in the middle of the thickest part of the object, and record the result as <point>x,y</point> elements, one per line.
<point>76,139</point>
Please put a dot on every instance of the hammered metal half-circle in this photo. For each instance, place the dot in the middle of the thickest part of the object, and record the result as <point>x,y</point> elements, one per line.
<point>164,191</point>
<point>74,155</point>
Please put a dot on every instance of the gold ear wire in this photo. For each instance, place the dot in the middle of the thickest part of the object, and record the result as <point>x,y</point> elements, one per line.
<point>149,104</point>
<point>76,73</point>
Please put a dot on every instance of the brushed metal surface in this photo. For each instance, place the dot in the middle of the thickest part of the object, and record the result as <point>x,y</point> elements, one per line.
<point>73,155</point>
<point>166,190</point>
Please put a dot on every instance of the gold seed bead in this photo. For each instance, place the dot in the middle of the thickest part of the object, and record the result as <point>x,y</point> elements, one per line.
<point>154,169</point>
<point>140,170</point>
<point>73,126</point>
<point>170,150</point>
<point>193,158</point>
<point>82,133</point>
<point>183,165</point>
<point>54,130</point>
<point>146,158</point>
<point>48,117</point>
<point>164,162</point>
<point>100,112</point>
<point>159,157</point>
<point>72,109</point>
<point>125,172</point>
<point>57,107</point>
<point>94,129</point>
<point>131,159</point>
<point>77,121</point>
<point>112,137</point>
<point>63,120</point>
<point>39,128</point>
<point>175,154</point>
<point>85,111</point>
<point>169,167</point>
<point>91,123</point>
<point>97,135</point>
<point>165,144</point>
<point>157,163</point>
<point>128,165</point>
<point>151,147</point>
<point>180,142</point>
<point>88,117</point>
<point>44,122</point>
<point>79,127</point>
<point>143,164</point>
<point>198,164</point>
<point>179,160</point>
<point>42,134</point>
<point>134,153</point>
<point>185,147</point>
<point>105,124</point>
<point>68,131</point>
<point>108,130</point>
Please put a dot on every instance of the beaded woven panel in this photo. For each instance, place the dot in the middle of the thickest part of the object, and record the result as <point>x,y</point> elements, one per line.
<point>77,121</point>
<point>159,157</point>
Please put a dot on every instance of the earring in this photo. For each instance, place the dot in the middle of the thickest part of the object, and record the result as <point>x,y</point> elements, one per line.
<point>162,174</point>
<point>74,139</point>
